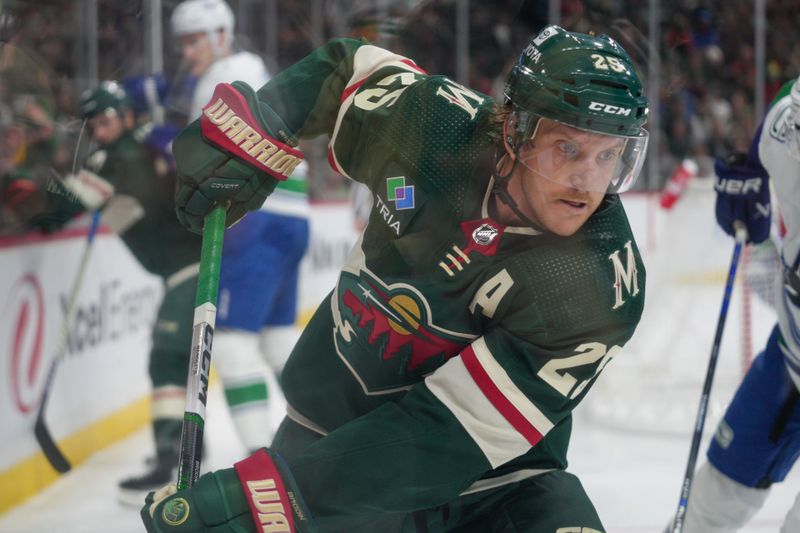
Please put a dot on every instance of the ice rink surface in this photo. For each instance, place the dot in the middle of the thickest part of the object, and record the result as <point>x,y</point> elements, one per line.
<point>633,479</point>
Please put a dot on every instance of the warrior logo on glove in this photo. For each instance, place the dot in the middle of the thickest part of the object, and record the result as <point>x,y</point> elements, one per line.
<point>228,122</point>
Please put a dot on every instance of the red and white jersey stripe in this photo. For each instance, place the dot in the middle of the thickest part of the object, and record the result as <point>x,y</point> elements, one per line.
<point>498,416</point>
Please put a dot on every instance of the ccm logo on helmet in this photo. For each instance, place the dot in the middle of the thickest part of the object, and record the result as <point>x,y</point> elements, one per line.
<point>610,109</point>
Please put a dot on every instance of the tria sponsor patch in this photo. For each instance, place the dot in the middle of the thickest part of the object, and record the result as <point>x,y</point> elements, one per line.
<point>398,192</point>
<point>228,123</point>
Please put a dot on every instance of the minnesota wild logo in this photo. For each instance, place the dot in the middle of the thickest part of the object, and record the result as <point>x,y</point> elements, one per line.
<point>394,325</point>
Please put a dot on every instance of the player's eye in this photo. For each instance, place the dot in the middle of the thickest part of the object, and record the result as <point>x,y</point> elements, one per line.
<point>608,155</point>
<point>567,148</point>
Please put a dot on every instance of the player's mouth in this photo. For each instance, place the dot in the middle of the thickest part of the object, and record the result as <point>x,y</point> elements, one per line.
<point>574,204</point>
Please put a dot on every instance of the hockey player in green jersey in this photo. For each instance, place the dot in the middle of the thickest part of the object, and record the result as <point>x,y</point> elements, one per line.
<point>495,279</point>
<point>126,163</point>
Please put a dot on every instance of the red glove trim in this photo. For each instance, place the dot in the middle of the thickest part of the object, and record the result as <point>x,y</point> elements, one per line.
<point>265,492</point>
<point>19,191</point>
<point>228,123</point>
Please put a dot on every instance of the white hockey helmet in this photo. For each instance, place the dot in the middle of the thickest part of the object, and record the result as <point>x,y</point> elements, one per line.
<point>208,16</point>
<point>792,126</point>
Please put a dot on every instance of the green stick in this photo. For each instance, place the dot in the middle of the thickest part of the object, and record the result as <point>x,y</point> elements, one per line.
<point>205,313</point>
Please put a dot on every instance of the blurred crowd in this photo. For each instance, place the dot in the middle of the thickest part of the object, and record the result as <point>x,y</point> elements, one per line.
<point>706,88</point>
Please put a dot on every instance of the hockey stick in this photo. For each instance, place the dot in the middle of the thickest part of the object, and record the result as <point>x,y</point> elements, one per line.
<point>741,237</point>
<point>50,449</point>
<point>205,313</point>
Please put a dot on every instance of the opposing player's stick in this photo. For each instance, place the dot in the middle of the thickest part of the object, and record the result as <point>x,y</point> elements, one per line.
<point>677,526</point>
<point>205,314</point>
<point>50,449</point>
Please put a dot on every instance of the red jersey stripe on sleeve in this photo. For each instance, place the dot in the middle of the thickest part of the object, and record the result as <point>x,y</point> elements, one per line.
<point>498,399</point>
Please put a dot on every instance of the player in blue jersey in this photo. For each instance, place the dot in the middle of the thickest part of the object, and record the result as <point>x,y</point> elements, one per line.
<point>758,440</point>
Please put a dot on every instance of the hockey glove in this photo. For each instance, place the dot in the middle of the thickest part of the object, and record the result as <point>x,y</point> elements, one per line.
<point>236,153</point>
<point>91,190</point>
<point>257,494</point>
<point>21,199</point>
<point>743,195</point>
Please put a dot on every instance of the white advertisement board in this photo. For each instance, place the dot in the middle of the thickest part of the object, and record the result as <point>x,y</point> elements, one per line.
<point>333,235</point>
<point>104,361</point>
<point>103,368</point>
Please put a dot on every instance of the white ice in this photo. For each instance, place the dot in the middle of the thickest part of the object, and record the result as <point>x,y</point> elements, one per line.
<point>634,481</point>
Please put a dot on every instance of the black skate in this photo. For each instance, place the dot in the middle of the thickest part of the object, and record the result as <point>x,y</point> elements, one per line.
<point>160,472</point>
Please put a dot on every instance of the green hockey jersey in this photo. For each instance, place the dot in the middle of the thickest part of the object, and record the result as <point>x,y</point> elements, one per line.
<point>453,349</point>
<point>157,239</point>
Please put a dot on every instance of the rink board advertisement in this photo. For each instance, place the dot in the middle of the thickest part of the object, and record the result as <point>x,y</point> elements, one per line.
<point>101,386</point>
<point>99,391</point>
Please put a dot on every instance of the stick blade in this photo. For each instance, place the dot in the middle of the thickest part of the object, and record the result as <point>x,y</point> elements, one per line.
<point>50,449</point>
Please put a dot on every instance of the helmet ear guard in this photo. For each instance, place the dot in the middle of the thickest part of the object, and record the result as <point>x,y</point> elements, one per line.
<point>520,126</point>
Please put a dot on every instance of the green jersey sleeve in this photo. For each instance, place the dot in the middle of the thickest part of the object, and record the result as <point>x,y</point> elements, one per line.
<point>378,108</point>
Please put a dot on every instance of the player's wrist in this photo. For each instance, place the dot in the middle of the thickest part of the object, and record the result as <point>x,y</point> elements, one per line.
<point>272,494</point>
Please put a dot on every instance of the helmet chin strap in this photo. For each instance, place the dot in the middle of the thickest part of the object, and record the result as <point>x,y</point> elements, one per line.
<point>500,187</point>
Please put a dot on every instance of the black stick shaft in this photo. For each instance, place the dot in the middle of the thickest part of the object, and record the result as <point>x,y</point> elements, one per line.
<point>712,366</point>
<point>41,430</point>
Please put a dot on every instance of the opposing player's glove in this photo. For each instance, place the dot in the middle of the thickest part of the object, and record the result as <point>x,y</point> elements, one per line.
<point>257,494</point>
<point>235,153</point>
<point>147,92</point>
<point>743,195</point>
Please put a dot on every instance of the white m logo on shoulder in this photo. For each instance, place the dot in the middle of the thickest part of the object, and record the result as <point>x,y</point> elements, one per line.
<point>457,94</point>
<point>624,275</point>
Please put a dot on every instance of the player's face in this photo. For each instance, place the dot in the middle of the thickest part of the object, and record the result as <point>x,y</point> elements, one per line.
<point>106,127</point>
<point>197,52</point>
<point>564,175</point>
